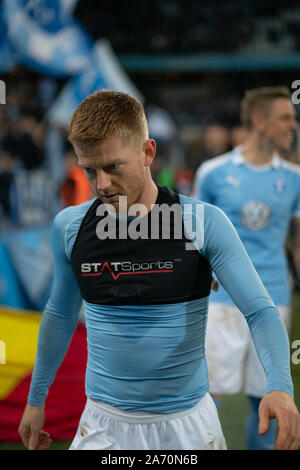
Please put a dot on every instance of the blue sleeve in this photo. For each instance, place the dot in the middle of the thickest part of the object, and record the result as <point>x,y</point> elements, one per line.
<point>296,207</point>
<point>59,318</point>
<point>231,264</point>
<point>203,184</point>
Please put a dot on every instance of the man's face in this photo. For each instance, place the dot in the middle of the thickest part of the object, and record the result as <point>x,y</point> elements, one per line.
<point>280,124</point>
<point>115,169</point>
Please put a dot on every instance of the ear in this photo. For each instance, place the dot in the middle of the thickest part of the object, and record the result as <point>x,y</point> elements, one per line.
<point>149,151</point>
<point>258,121</point>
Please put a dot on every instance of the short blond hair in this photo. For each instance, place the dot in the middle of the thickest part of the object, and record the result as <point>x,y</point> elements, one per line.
<point>260,100</point>
<point>106,114</point>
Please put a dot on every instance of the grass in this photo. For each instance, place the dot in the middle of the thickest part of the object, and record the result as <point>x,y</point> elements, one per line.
<point>234,409</point>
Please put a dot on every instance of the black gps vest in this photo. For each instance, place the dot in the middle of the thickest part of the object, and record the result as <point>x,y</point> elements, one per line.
<point>152,269</point>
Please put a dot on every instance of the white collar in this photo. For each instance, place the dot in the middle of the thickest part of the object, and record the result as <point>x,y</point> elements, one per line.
<point>239,159</point>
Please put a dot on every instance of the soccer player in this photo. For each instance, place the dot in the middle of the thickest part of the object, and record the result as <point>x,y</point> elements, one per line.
<point>145,281</point>
<point>260,193</point>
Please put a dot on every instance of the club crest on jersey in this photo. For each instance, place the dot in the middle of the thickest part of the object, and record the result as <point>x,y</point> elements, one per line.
<point>256,215</point>
<point>280,185</point>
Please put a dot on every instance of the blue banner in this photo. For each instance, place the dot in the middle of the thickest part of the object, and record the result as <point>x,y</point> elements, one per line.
<point>26,270</point>
<point>46,36</point>
<point>34,198</point>
<point>12,292</point>
<point>103,71</point>
<point>7,55</point>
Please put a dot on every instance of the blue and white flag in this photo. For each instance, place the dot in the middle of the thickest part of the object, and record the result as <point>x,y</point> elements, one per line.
<point>29,251</point>
<point>103,72</point>
<point>46,36</point>
<point>7,56</point>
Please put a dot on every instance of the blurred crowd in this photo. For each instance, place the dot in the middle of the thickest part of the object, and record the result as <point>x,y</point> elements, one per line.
<point>189,26</point>
<point>32,193</point>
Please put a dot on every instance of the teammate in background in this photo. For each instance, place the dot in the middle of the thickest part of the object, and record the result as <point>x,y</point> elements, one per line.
<point>260,193</point>
<point>146,301</point>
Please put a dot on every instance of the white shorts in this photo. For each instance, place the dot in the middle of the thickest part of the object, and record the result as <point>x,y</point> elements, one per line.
<point>232,361</point>
<point>104,427</point>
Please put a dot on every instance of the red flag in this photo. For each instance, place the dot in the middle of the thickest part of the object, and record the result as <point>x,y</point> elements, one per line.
<point>66,398</point>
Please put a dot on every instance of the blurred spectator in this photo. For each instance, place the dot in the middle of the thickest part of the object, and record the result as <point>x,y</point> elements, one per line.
<point>216,140</point>
<point>7,164</point>
<point>47,88</point>
<point>238,135</point>
<point>29,148</point>
<point>161,125</point>
<point>184,27</point>
<point>23,143</point>
<point>75,189</point>
<point>184,181</point>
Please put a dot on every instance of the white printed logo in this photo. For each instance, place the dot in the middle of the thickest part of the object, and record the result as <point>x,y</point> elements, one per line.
<point>231,180</point>
<point>192,218</point>
<point>256,215</point>
<point>280,185</point>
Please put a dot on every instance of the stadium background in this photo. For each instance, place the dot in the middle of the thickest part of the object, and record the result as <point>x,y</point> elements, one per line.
<point>190,63</point>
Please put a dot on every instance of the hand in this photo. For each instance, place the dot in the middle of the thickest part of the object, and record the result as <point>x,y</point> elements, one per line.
<point>280,405</point>
<point>30,429</point>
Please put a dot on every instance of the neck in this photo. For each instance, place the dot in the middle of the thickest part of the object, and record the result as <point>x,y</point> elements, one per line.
<point>149,193</point>
<point>257,150</point>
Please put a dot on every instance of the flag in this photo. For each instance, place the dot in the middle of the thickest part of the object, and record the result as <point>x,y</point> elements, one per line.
<point>103,72</point>
<point>46,36</point>
<point>66,398</point>
<point>12,292</point>
<point>7,55</point>
<point>30,253</point>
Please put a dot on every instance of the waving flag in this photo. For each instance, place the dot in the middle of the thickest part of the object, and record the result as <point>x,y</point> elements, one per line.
<point>103,71</point>
<point>33,247</point>
<point>7,55</point>
<point>46,36</point>
<point>66,398</point>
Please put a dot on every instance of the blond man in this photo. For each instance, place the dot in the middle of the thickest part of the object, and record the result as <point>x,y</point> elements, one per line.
<point>260,193</point>
<point>145,284</point>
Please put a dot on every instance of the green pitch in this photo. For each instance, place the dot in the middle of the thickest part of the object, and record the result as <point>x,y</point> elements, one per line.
<point>234,408</point>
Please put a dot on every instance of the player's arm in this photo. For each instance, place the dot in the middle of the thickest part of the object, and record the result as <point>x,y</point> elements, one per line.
<point>57,325</point>
<point>231,264</point>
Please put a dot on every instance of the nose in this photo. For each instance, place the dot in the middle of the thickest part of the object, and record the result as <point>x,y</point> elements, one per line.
<point>103,180</point>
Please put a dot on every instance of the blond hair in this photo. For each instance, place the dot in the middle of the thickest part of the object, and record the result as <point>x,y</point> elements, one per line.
<point>106,114</point>
<point>260,100</point>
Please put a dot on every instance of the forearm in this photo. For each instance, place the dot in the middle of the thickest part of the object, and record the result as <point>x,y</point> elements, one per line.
<point>55,334</point>
<point>272,345</point>
<point>60,316</point>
